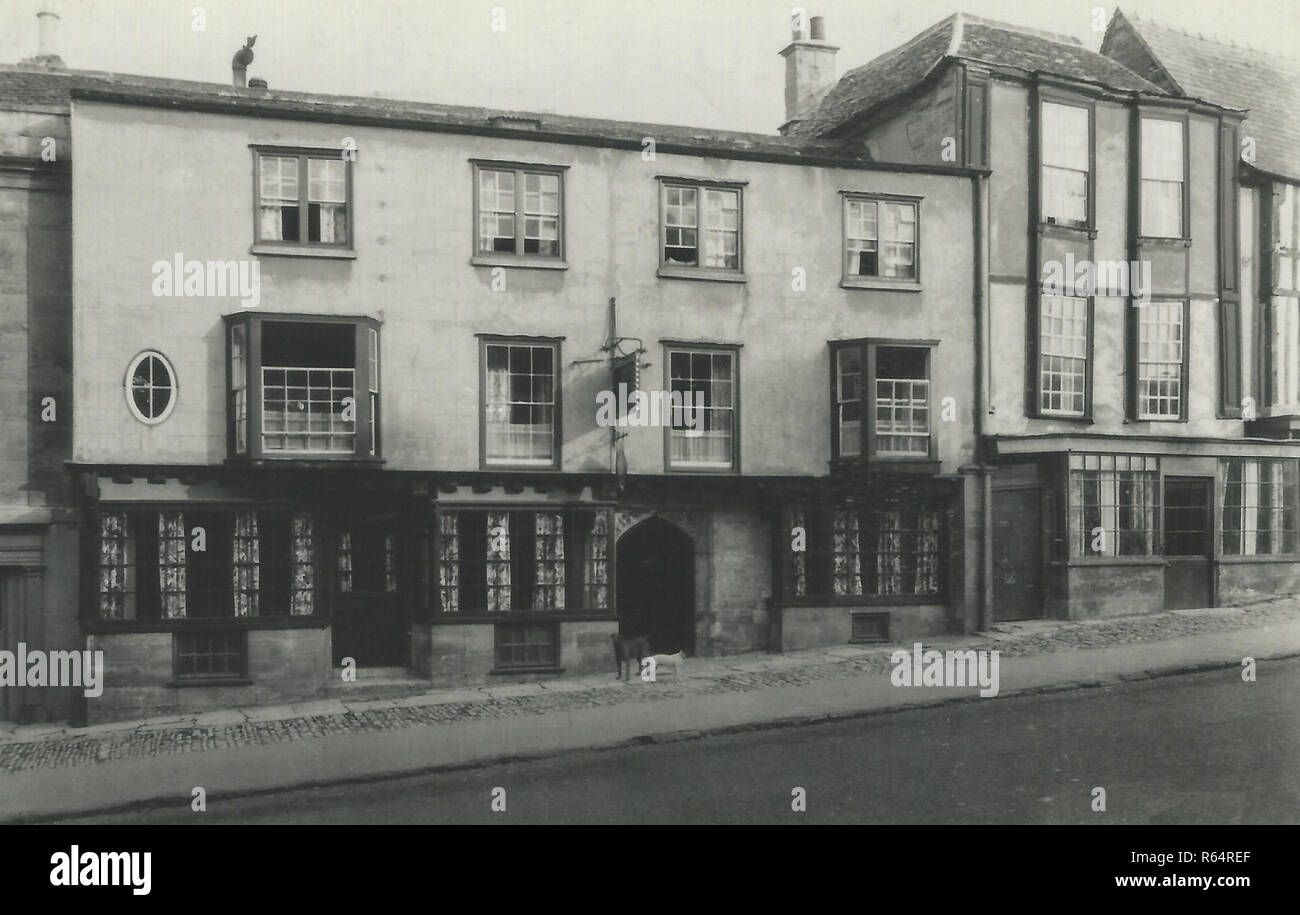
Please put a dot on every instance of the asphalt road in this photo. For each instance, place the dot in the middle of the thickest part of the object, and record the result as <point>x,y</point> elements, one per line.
<point>1201,748</point>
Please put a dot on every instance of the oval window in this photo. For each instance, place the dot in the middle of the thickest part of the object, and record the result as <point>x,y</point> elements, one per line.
<point>150,387</point>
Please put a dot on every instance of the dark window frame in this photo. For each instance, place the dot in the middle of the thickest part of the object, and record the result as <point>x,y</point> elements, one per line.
<point>868,347</point>
<point>876,281</point>
<point>699,270</point>
<point>551,627</point>
<point>1181,117</point>
<point>303,245</point>
<point>1034,408</point>
<point>731,349</point>
<point>1133,362</point>
<point>557,430</point>
<point>237,636</point>
<point>365,447</point>
<point>1047,96</point>
<point>518,257</point>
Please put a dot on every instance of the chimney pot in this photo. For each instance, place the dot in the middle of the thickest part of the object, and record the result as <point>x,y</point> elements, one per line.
<point>818,26</point>
<point>257,83</point>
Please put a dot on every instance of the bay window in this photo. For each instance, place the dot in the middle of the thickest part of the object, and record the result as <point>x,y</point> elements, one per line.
<point>881,401</point>
<point>303,387</point>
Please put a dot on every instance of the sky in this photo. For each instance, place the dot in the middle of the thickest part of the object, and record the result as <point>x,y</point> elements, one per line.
<point>709,63</point>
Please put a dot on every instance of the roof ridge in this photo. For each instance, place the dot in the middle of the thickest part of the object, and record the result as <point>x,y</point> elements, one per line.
<point>1057,37</point>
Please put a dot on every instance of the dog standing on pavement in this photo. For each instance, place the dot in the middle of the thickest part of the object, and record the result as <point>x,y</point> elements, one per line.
<point>628,654</point>
<point>676,660</point>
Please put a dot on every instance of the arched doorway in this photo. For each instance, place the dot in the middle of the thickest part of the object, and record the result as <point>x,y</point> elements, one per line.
<point>656,585</point>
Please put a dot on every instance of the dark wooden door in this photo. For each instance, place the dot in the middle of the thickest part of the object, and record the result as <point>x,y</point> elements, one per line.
<point>370,621</point>
<point>656,586</point>
<point>1017,554</point>
<point>1188,542</point>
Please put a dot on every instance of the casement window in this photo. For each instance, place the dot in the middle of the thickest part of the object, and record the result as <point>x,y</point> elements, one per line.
<point>1066,171</point>
<point>881,401</point>
<point>491,561</point>
<point>304,197</point>
<point>1063,337</point>
<point>210,655</point>
<point>366,559</point>
<point>700,226</point>
<point>880,238</point>
<point>150,387</point>
<point>518,211</point>
<point>703,433</point>
<point>1286,237</point>
<point>521,397</point>
<point>1113,504</point>
<point>254,563</point>
<point>888,551</point>
<point>302,387</point>
<point>1163,164</point>
<point>1259,501</point>
<point>1161,360</point>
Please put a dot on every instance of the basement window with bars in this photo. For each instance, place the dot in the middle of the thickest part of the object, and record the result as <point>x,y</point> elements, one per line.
<point>1258,504</point>
<point>253,563</point>
<point>527,646</point>
<point>1113,504</point>
<point>496,561</point>
<point>303,387</point>
<point>210,655</point>
<point>881,553</point>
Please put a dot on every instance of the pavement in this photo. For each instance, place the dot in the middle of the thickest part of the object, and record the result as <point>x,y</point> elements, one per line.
<point>48,771</point>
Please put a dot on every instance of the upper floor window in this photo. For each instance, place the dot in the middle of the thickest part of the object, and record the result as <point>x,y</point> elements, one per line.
<point>521,403</point>
<point>303,388</point>
<point>1162,159</point>
<point>150,387</point>
<point>1066,174</point>
<point>1063,334</point>
<point>303,197</point>
<point>702,433</point>
<point>882,401</point>
<point>518,210</point>
<point>879,239</point>
<point>1161,362</point>
<point>701,226</point>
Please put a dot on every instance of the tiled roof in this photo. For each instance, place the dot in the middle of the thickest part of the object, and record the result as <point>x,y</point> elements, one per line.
<point>967,38</point>
<point>24,86</point>
<point>1268,85</point>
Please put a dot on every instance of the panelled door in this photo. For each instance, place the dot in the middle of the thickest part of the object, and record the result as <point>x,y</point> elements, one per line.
<point>1188,542</point>
<point>1017,554</point>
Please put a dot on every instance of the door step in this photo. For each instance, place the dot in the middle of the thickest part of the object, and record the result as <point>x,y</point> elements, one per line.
<point>376,683</point>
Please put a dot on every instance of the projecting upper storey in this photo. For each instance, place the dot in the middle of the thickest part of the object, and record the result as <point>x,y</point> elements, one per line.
<point>433,286</point>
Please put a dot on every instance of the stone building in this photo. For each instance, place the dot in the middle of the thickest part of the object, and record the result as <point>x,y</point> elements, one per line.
<point>1133,442</point>
<point>337,365</point>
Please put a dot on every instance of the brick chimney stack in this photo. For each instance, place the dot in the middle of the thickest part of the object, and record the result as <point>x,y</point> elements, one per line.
<point>809,71</point>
